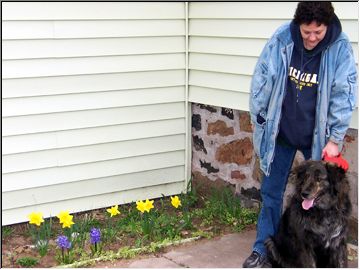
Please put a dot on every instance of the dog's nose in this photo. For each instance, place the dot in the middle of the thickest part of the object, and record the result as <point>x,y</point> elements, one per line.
<point>305,194</point>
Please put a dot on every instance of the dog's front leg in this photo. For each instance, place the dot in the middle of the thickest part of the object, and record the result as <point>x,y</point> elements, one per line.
<point>306,258</point>
<point>273,253</point>
<point>338,256</point>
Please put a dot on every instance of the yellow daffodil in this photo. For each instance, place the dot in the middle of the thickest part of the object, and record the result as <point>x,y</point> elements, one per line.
<point>113,211</point>
<point>144,206</point>
<point>140,205</point>
<point>149,205</point>
<point>68,222</point>
<point>175,201</point>
<point>36,218</point>
<point>65,218</point>
<point>62,215</point>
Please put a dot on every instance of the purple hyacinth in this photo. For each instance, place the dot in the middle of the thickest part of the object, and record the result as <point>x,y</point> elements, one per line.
<point>95,235</point>
<point>63,242</point>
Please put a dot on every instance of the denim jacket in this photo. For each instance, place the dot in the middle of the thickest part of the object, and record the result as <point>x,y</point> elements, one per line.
<point>335,100</point>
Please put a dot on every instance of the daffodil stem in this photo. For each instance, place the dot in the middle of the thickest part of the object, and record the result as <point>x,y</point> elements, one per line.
<point>38,234</point>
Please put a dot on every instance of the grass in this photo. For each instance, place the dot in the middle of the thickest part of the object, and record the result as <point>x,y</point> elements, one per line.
<point>224,208</point>
<point>27,261</point>
<point>6,231</point>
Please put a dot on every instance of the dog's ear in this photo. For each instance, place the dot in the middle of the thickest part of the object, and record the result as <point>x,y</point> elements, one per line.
<point>339,188</point>
<point>337,179</point>
<point>297,173</point>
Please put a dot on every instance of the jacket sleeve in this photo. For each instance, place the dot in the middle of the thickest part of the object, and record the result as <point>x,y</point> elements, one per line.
<point>259,98</point>
<point>343,94</point>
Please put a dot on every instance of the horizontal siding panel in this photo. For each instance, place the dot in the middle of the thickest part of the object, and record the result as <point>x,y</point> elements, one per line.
<point>98,186</point>
<point>236,46</point>
<point>19,125</point>
<point>48,48</point>
<point>91,83</point>
<point>234,28</point>
<point>91,10</point>
<point>245,28</point>
<point>94,202</point>
<point>351,28</point>
<point>261,10</point>
<point>93,153</point>
<point>227,46</point>
<point>347,10</point>
<point>91,29</point>
<point>90,65</point>
<point>225,81</point>
<point>73,173</point>
<point>27,30</point>
<point>88,101</point>
<point>220,98</point>
<point>88,136</point>
<point>222,63</point>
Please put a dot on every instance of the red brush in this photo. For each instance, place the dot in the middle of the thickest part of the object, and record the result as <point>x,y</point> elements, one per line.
<point>339,161</point>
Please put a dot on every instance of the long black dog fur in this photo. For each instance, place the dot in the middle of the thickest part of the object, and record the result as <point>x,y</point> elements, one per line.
<point>315,237</point>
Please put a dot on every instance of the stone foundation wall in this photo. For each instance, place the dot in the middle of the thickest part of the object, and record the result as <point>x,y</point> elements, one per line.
<point>223,150</point>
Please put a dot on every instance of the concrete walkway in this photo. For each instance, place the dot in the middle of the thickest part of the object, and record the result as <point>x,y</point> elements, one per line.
<point>228,251</point>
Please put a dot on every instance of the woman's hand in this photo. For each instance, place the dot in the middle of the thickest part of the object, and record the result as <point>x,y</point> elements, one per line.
<point>331,149</point>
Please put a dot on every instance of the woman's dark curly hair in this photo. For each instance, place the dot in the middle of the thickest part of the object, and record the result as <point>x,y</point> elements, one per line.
<point>320,12</point>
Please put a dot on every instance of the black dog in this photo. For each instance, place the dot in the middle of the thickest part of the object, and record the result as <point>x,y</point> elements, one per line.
<point>314,227</point>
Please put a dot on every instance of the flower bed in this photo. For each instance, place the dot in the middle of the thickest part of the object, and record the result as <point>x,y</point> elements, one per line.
<point>122,232</point>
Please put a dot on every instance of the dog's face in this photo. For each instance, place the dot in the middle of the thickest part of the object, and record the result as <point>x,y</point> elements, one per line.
<point>317,184</point>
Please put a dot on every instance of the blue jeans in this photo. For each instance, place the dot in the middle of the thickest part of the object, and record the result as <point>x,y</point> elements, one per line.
<point>272,192</point>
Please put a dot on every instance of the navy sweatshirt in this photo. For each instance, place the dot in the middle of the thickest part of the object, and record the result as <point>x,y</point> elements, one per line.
<point>299,106</point>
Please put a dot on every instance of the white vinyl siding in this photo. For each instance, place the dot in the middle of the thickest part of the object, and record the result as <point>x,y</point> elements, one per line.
<point>227,38</point>
<point>93,105</point>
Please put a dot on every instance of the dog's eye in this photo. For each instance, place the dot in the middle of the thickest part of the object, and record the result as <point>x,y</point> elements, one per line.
<point>320,178</point>
<point>318,175</point>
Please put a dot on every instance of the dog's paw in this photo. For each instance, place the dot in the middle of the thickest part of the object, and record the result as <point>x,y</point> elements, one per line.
<point>272,250</point>
<point>269,244</point>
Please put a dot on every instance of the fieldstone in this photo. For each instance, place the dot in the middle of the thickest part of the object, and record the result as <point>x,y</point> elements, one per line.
<point>207,107</point>
<point>203,185</point>
<point>229,113</point>
<point>208,167</point>
<point>239,152</point>
<point>219,127</point>
<point>350,153</point>
<point>199,144</point>
<point>196,121</point>
<point>237,175</point>
<point>251,193</point>
<point>247,202</point>
<point>257,172</point>
<point>245,122</point>
<point>349,138</point>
